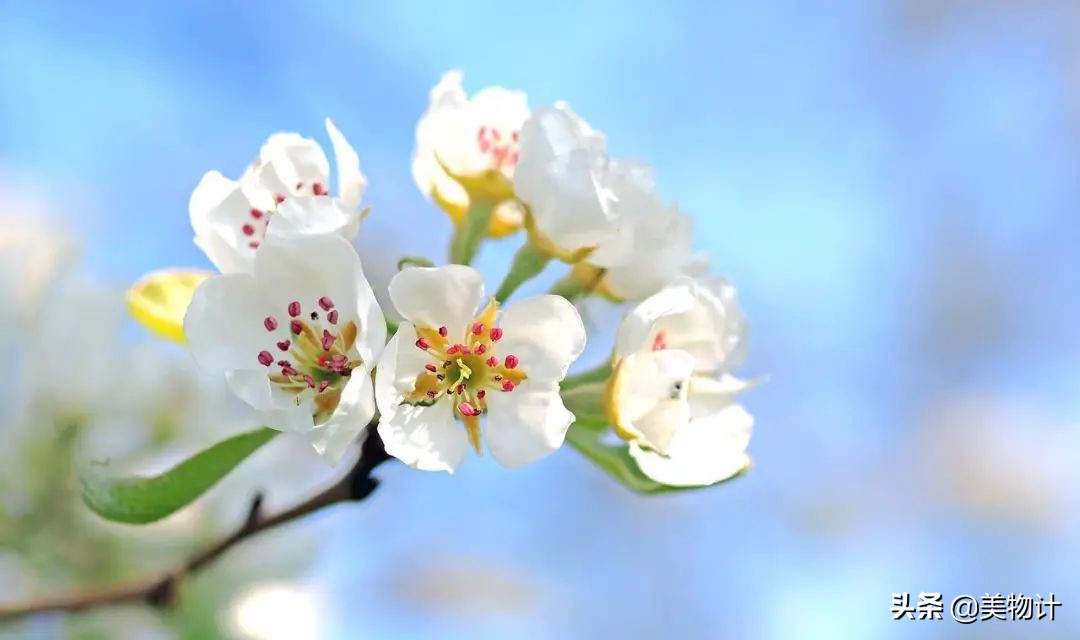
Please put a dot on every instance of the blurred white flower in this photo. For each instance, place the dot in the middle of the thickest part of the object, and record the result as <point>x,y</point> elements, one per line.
<point>286,190</point>
<point>672,394</point>
<point>447,361</point>
<point>296,339</point>
<point>34,250</point>
<point>277,611</point>
<point>469,137</point>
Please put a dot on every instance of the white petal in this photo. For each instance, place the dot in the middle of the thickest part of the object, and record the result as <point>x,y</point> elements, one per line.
<point>333,438</point>
<point>649,395</point>
<point>219,209</point>
<point>526,424</point>
<point>658,250</point>
<point>438,296</point>
<point>709,396</point>
<point>312,215</point>
<point>351,180</point>
<point>714,329</point>
<point>224,324</point>
<point>305,268</point>
<point>639,326</point>
<point>446,98</point>
<point>546,334</point>
<point>705,452</point>
<point>289,164</point>
<point>560,175</point>
<point>427,438</point>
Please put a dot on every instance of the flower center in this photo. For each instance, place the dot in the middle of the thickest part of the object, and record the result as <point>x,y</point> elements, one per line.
<point>500,145</point>
<point>464,371</point>
<point>311,352</point>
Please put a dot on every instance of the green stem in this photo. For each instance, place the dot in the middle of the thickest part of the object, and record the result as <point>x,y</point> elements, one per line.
<point>569,287</point>
<point>471,232</point>
<point>527,264</point>
<point>599,373</point>
<point>414,261</point>
<point>586,402</point>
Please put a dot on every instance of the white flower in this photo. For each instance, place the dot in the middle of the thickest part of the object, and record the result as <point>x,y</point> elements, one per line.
<point>447,361</point>
<point>651,244</point>
<point>296,338</point>
<point>289,185</point>
<point>563,176</point>
<point>672,394</point>
<point>470,138</point>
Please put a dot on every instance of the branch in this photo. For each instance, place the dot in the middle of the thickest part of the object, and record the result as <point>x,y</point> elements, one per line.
<point>161,591</point>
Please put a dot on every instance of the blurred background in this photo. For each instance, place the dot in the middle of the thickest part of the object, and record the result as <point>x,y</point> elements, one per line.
<point>890,184</point>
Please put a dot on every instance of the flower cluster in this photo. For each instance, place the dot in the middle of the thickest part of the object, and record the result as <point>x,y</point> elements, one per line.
<point>294,326</point>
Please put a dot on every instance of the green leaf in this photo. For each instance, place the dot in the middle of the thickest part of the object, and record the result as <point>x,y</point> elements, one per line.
<point>471,232</point>
<point>600,373</point>
<point>527,264</point>
<point>140,500</point>
<point>414,261</point>
<point>616,460</point>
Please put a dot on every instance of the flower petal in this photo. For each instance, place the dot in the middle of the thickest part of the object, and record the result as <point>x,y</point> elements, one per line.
<point>705,452</point>
<point>351,180</point>
<point>438,296</point>
<point>639,326</point>
<point>526,424</point>
<point>312,215</point>
<point>222,321</point>
<point>445,98</point>
<point>332,438</point>
<point>290,164</point>
<point>219,209</point>
<point>560,176</point>
<point>648,396</point>
<point>546,334</point>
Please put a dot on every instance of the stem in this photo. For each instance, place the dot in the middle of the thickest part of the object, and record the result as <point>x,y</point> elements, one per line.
<point>470,233</point>
<point>599,373</point>
<point>161,591</point>
<point>527,264</point>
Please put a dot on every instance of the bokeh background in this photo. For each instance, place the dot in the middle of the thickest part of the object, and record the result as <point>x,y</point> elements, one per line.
<point>892,185</point>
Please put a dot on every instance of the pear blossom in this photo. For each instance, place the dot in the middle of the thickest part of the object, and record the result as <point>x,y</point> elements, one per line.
<point>651,244</point>
<point>287,184</point>
<point>464,144</point>
<point>447,362</point>
<point>565,177</point>
<point>672,395</point>
<point>296,338</point>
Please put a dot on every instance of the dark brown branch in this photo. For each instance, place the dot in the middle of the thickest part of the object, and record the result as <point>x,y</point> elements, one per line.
<point>161,591</point>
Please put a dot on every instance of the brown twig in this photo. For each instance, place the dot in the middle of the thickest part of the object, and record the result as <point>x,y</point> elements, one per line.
<point>161,591</point>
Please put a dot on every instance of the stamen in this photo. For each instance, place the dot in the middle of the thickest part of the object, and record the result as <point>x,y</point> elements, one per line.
<point>507,385</point>
<point>255,213</point>
<point>460,389</point>
<point>480,349</point>
<point>253,245</point>
<point>270,322</point>
<point>453,350</point>
<point>423,344</point>
<point>265,358</point>
<point>309,380</point>
<point>480,394</point>
<point>477,328</point>
<point>332,316</point>
<point>466,409</point>
<point>248,230</point>
<point>314,315</point>
<point>294,308</point>
<point>443,331</point>
<point>296,327</point>
<point>317,189</point>
<point>327,340</point>
<point>326,303</point>
<point>495,333</point>
<point>323,385</point>
<point>430,367</point>
<point>492,361</point>
<point>278,198</point>
<point>284,345</point>
<point>510,362</point>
